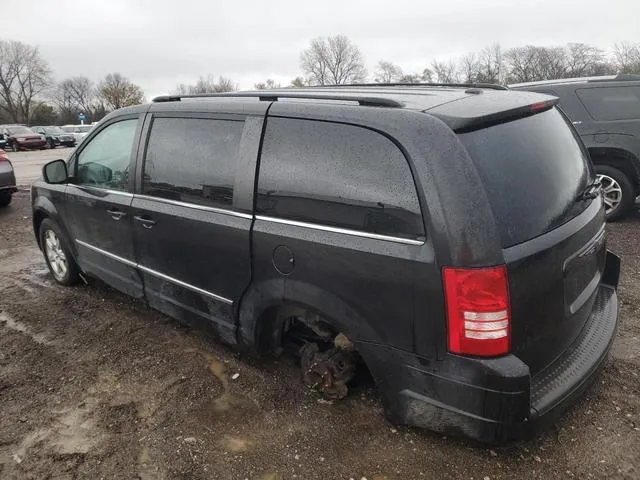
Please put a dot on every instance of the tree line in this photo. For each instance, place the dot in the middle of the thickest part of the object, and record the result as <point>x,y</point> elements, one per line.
<point>337,60</point>
<point>30,94</point>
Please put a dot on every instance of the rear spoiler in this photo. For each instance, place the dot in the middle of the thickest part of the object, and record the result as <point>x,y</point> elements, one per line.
<point>467,115</point>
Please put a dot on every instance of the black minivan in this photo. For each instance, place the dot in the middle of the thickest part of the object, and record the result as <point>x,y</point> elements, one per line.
<point>449,237</point>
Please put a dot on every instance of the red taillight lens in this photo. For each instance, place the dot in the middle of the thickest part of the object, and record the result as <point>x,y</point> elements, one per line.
<point>478,316</point>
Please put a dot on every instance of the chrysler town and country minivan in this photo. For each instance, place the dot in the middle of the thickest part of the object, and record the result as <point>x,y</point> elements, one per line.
<point>450,237</point>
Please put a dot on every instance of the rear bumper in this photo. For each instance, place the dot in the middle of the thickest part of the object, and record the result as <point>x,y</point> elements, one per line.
<point>496,400</point>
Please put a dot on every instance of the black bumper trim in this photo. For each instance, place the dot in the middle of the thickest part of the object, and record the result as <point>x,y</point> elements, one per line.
<point>577,365</point>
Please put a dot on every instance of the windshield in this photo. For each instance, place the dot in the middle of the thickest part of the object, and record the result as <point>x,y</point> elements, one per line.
<point>19,130</point>
<point>533,170</point>
<point>53,130</point>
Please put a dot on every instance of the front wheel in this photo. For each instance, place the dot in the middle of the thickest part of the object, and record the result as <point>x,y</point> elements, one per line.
<point>57,254</point>
<point>617,191</point>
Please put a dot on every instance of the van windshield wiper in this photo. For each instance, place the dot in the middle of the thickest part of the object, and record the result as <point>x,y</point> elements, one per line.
<point>591,191</point>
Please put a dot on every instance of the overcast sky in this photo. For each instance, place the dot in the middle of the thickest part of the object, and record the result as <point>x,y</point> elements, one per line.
<point>158,43</point>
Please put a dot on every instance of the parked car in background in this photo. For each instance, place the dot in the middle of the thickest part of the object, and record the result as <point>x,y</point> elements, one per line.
<point>55,136</point>
<point>606,113</point>
<point>78,131</point>
<point>20,137</point>
<point>451,238</point>
<point>7,180</point>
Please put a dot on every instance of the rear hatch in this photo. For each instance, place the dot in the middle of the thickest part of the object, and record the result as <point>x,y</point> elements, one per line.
<point>549,216</point>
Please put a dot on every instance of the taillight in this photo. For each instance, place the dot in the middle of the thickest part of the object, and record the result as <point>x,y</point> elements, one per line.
<point>478,316</point>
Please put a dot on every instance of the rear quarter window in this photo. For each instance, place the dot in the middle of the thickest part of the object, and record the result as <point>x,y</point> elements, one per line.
<point>611,103</point>
<point>337,175</point>
<point>533,170</point>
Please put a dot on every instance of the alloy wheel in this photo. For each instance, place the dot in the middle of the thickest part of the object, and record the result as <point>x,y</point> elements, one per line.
<point>611,193</point>
<point>55,254</point>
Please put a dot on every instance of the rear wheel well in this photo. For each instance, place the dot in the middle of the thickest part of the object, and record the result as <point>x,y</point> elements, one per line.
<point>38,217</point>
<point>276,321</point>
<point>330,362</point>
<point>620,159</point>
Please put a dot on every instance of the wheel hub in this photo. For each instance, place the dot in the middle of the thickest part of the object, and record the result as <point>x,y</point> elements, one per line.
<point>611,192</point>
<point>55,254</point>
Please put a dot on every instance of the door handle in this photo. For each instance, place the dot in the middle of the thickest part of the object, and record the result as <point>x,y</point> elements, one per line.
<point>116,214</point>
<point>146,222</point>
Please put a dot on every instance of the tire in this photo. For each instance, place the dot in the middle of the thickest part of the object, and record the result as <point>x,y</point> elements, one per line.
<point>617,190</point>
<point>57,254</point>
<point>5,199</point>
<point>52,144</point>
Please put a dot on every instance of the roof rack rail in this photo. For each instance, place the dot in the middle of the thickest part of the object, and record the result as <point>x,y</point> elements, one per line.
<point>621,77</point>
<point>274,97</point>
<point>491,86</point>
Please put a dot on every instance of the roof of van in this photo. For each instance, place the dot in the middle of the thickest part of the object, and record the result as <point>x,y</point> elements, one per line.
<point>461,106</point>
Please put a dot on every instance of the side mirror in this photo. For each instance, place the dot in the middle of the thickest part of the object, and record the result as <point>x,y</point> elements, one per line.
<point>55,172</point>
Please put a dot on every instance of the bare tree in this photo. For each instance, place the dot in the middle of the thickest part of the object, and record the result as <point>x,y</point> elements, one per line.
<point>627,57</point>
<point>445,72</point>
<point>387,72</point>
<point>333,61</point>
<point>298,82</point>
<point>117,92</point>
<point>552,62</point>
<point>469,68</point>
<point>24,75</point>
<point>522,64</point>
<point>490,65</point>
<point>410,78</point>
<point>268,84</point>
<point>205,85</point>
<point>77,95</point>
<point>582,59</point>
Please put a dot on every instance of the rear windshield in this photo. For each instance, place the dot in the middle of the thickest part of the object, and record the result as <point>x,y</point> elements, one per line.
<point>533,170</point>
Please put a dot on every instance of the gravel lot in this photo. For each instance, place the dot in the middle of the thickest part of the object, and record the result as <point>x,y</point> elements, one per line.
<point>94,385</point>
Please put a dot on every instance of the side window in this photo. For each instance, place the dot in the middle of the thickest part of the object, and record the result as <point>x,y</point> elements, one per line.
<point>611,103</point>
<point>192,160</point>
<point>337,175</point>
<point>104,161</point>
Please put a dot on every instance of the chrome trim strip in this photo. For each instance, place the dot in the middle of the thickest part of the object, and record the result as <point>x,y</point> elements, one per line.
<point>156,273</point>
<point>195,206</point>
<point>345,231</point>
<point>103,190</point>
<point>185,285</point>
<point>107,254</point>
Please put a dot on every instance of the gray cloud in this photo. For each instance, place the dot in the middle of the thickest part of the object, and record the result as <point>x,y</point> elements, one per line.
<point>159,44</point>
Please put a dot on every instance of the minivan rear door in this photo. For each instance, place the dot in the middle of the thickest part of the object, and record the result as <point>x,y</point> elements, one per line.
<point>539,182</point>
<point>191,234</point>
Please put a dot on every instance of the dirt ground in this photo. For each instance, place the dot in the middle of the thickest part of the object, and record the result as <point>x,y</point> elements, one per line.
<point>94,385</point>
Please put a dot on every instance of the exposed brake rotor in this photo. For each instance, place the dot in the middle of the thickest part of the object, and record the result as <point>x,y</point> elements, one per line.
<point>328,372</point>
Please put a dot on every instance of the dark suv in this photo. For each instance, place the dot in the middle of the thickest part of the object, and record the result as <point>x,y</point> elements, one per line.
<point>606,114</point>
<point>451,238</point>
